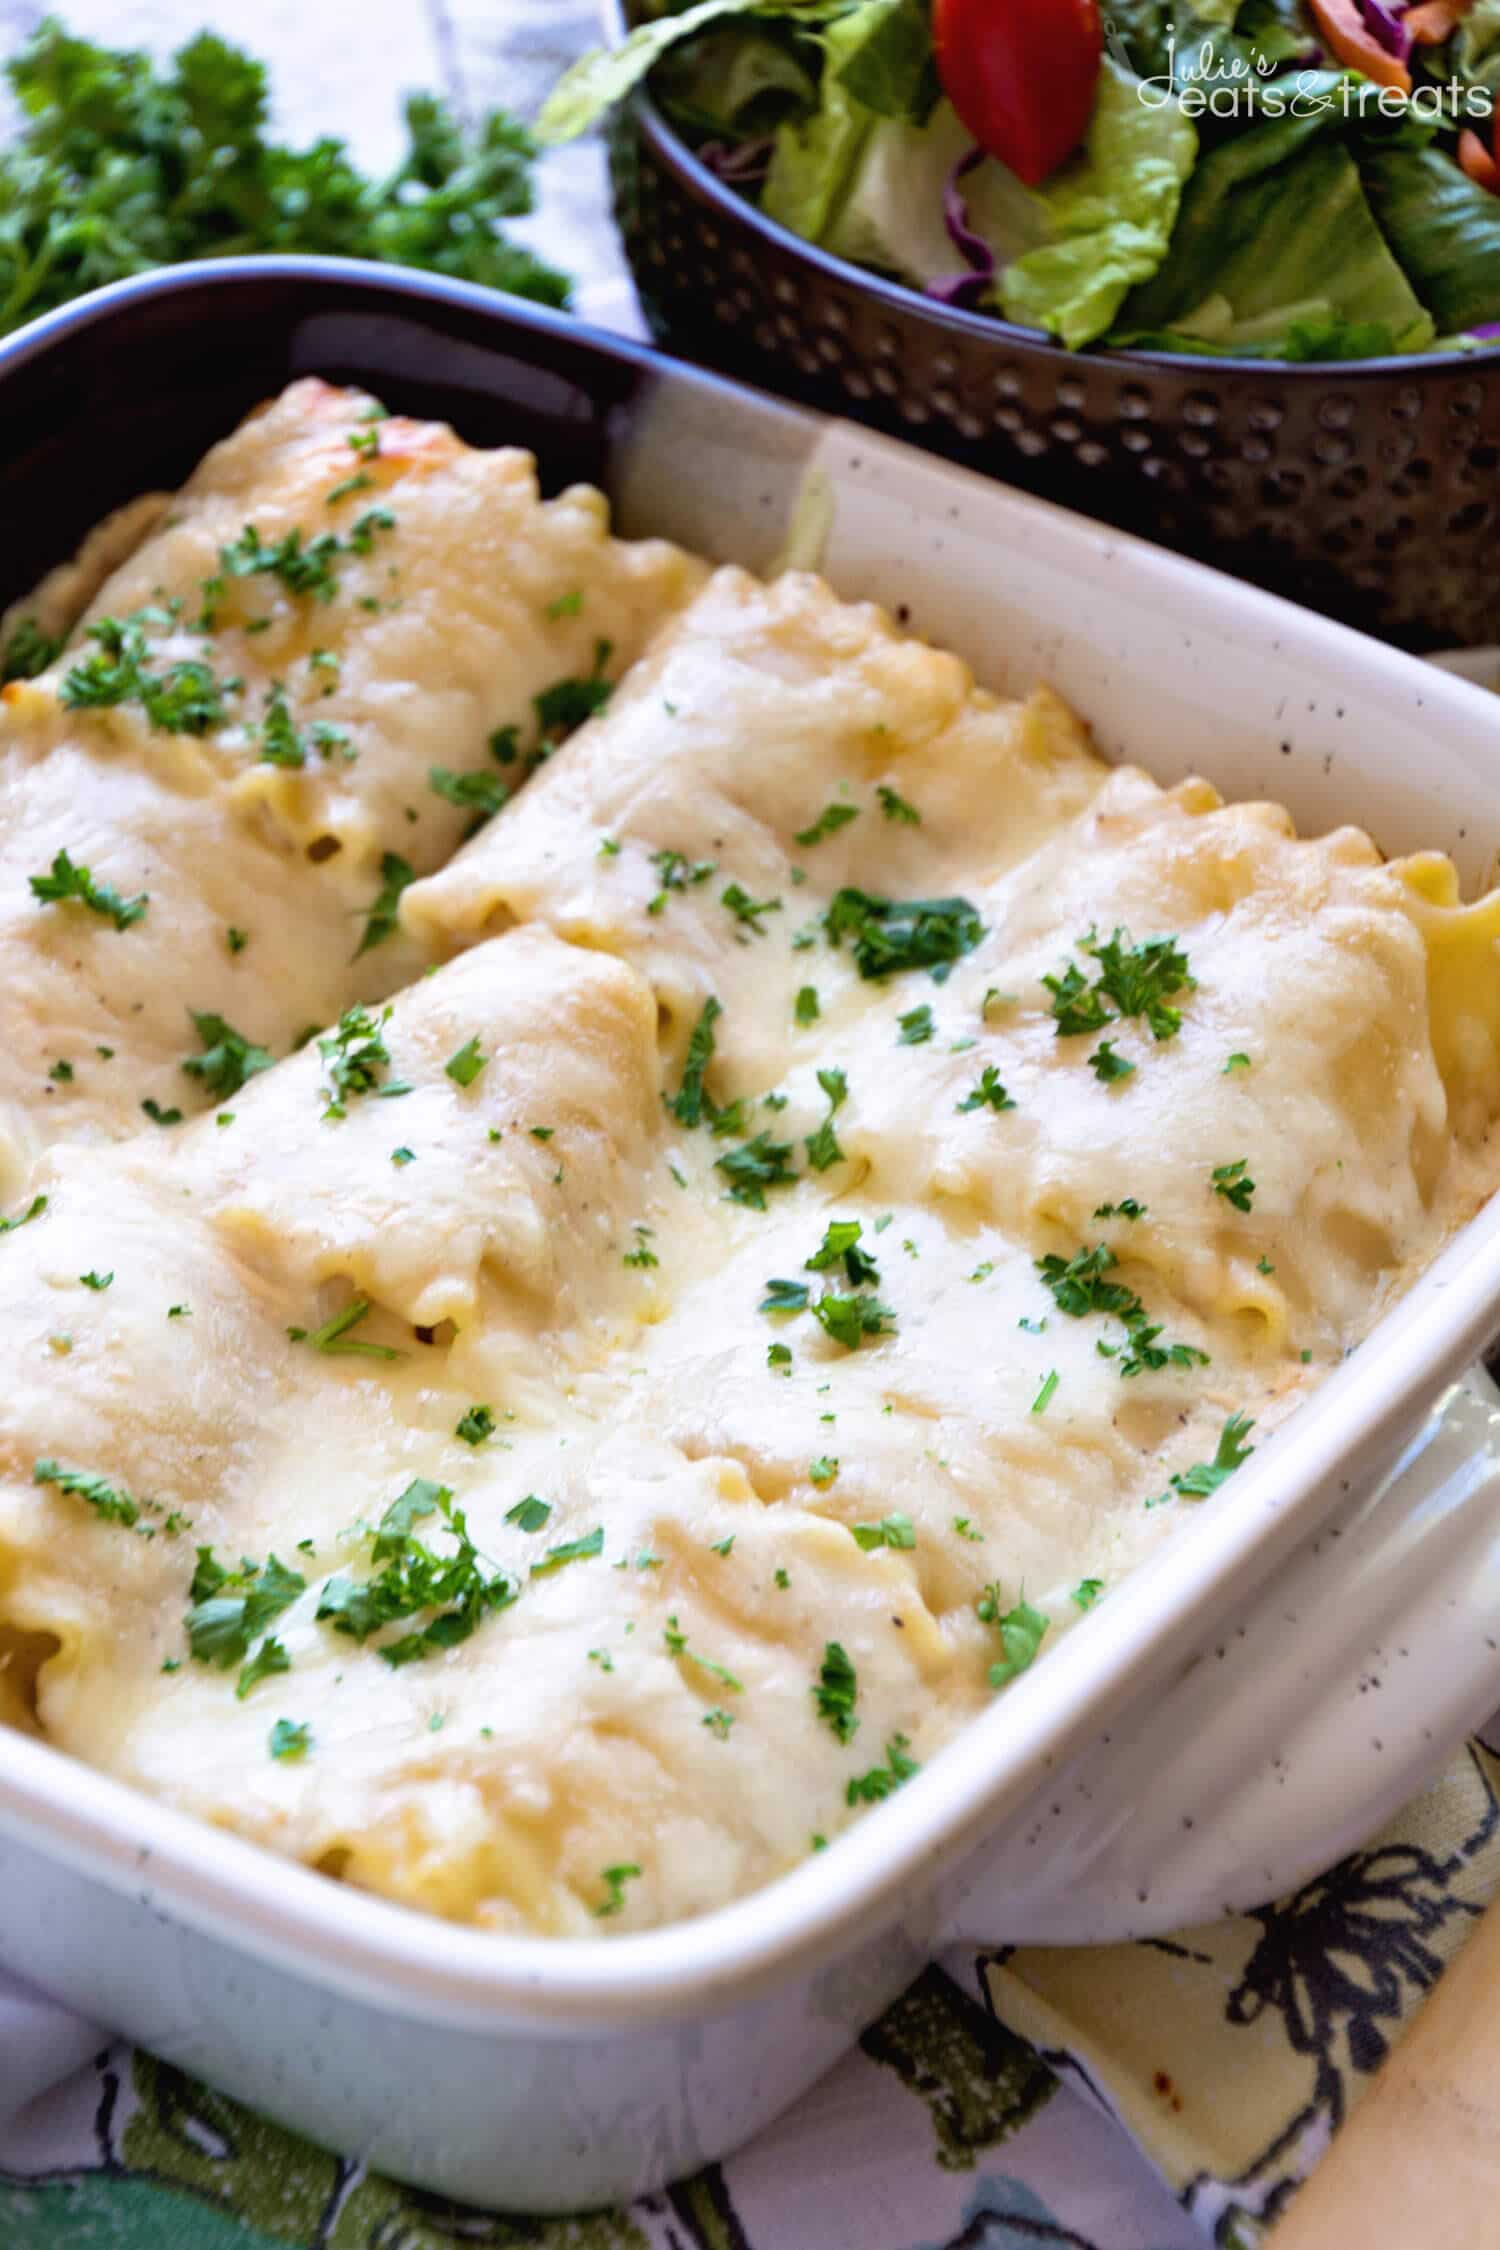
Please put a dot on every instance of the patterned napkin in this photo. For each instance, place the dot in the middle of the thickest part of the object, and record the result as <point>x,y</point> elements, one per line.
<point>1133,2097</point>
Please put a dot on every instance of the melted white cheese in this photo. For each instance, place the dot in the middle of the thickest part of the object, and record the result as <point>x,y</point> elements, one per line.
<point>551,1241</point>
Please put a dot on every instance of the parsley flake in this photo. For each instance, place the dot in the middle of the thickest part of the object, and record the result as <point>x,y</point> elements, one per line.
<point>828,823</point>
<point>882,1781</point>
<point>988,1093</point>
<point>68,881</point>
<point>836,1692</point>
<point>1232,1181</point>
<point>891,935</point>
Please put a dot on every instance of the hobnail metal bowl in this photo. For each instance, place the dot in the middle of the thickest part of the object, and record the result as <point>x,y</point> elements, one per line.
<point>1365,489</point>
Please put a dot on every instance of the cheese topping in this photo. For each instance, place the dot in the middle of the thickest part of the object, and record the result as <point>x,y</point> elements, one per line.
<point>584,1430</point>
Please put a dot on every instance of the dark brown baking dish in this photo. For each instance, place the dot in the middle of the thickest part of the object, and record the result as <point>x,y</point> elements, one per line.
<point>1369,490</point>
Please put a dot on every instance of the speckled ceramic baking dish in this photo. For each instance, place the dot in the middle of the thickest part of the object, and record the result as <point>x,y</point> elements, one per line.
<point>1207,1736</point>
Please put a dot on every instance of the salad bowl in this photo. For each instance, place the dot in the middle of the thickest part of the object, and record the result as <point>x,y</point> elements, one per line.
<point>1362,487</point>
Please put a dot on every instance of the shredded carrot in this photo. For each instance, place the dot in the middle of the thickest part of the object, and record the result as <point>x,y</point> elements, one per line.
<point>1435,20</point>
<point>1356,47</point>
<point>1477,161</point>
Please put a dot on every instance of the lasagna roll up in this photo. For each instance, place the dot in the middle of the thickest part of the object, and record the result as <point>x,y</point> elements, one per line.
<point>333,653</point>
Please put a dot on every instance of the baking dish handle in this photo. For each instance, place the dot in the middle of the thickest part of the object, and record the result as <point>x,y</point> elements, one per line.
<point>1290,1738</point>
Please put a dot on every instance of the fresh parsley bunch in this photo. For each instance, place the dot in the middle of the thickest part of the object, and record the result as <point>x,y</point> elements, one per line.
<point>117,167</point>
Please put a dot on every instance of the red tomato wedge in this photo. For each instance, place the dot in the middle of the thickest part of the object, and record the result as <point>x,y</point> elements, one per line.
<point>1021,75</point>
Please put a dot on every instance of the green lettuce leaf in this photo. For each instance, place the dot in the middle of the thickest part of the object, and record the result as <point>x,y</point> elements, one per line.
<point>735,82</point>
<point>1109,211</point>
<point>891,69</point>
<point>814,159</point>
<point>1070,250</point>
<point>1215,42</point>
<point>1275,234</point>
<point>606,75</point>
<point>1444,230</point>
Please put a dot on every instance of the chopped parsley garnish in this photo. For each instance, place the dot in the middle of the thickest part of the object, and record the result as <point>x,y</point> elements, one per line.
<point>1235,1062</point>
<point>228,1057</point>
<point>753,1167</point>
<point>848,1320</point>
<point>158,1115</point>
<point>28,651</point>
<point>362,537</point>
<point>567,703</point>
<point>1264,1265</point>
<point>236,940</point>
<point>1076,1008</point>
<point>1126,1208</point>
<point>1205,1477</point>
<point>718,1722</point>
<point>1044,1396</point>
<point>302,569</point>
<point>280,743</point>
<point>987,1094</point>
<point>360,481</point>
<point>480,793</point>
<point>1079,1286</point>
<point>823,1148</point>
<point>1107,1066</point>
<point>839,1246</point>
<point>1232,1181</point>
<point>1021,1631</point>
<point>677,1646</point>
<point>917,1026</point>
<point>614,1880</point>
<point>334,1337</point>
<point>837,1692</point>
<point>677,874</point>
<point>355,1056</point>
<point>395,874</point>
<point>33,1210</point>
<point>779,1358</point>
<point>67,881</point>
<point>687,1104</point>
<point>571,1550</point>
<point>184,699</point>
<point>96,1280</point>
<point>231,1609</point>
<point>722,1546</point>
<point>61,1074</point>
<point>268,1658</point>
<point>1087,1592</point>
<point>824,1471</point>
<point>828,823</point>
<point>414,1579</point>
<point>895,1530</point>
<point>894,934</point>
<point>807,1008</point>
<point>529,1514</point>
<point>465,1066</point>
<point>290,1738</point>
<point>882,1781</point>
<point>642,1255</point>
<point>746,910</point>
<point>1139,979</point>
<point>966,1530</point>
<point>110,1502</point>
<point>895,807</point>
<point>475,1425</point>
<point>566,605</point>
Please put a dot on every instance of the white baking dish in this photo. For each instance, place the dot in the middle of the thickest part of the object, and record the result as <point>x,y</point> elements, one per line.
<point>1207,1736</point>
